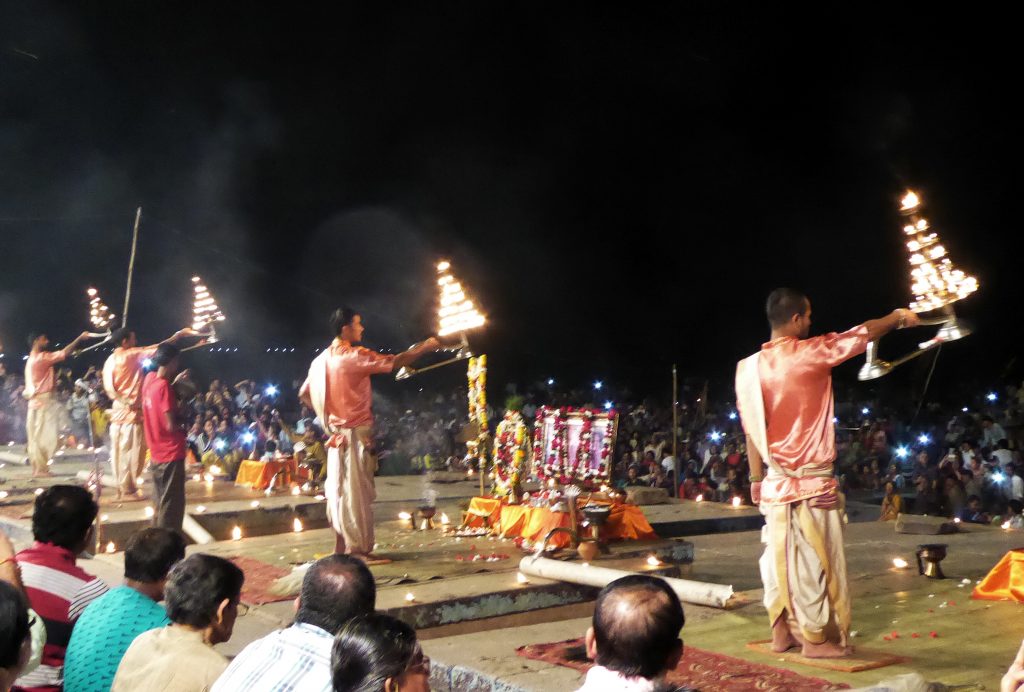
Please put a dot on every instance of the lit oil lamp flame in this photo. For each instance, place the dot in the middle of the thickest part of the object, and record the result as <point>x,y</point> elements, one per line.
<point>149,512</point>
<point>652,561</point>
<point>457,313</point>
<point>200,509</point>
<point>216,470</point>
<point>254,504</point>
<point>111,547</point>
<point>197,478</point>
<point>521,578</point>
<point>409,598</point>
<point>404,516</point>
<point>699,498</point>
<point>900,563</point>
<point>297,525</point>
<point>236,533</point>
<point>208,477</point>
<point>737,501</point>
<point>444,519</point>
<point>910,201</point>
<point>1006,525</point>
<point>296,490</point>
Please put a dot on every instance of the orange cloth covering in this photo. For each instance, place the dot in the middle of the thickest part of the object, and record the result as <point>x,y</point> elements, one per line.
<point>626,522</point>
<point>1006,580</point>
<point>257,474</point>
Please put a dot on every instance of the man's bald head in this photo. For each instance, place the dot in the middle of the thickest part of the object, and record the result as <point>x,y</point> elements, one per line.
<point>636,626</point>
<point>336,589</point>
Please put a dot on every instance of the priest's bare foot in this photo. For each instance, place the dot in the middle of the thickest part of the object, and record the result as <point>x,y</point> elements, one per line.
<point>339,545</point>
<point>782,638</point>
<point>826,650</point>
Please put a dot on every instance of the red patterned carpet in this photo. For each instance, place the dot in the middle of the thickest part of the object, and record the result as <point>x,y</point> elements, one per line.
<point>259,577</point>
<point>700,669</point>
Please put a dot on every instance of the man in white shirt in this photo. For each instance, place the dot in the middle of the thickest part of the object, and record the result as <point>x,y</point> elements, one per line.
<point>335,589</point>
<point>993,432</point>
<point>634,638</point>
<point>1002,455</point>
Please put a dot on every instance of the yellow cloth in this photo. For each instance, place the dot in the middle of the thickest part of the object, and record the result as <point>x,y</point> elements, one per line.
<point>257,474</point>
<point>626,522</point>
<point>1006,580</point>
<point>169,659</point>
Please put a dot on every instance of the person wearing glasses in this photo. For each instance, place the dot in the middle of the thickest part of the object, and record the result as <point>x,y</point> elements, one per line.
<point>202,600</point>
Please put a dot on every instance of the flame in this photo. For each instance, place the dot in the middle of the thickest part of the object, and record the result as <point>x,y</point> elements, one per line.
<point>521,578</point>
<point>910,201</point>
<point>297,525</point>
<point>216,470</point>
<point>208,477</point>
<point>149,511</point>
<point>200,509</point>
<point>111,547</point>
<point>456,312</point>
<point>736,502</point>
<point>236,534</point>
<point>197,478</point>
<point>652,561</point>
<point>409,598</point>
<point>699,498</point>
<point>444,518</point>
<point>254,504</point>
<point>296,490</point>
<point>1006,525</point>
<point>404,516</point>
<point>204,308</point>
<point>99,314</point>
<point>900,563</point>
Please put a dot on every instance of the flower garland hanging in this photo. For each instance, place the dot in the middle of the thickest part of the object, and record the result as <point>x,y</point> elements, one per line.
<point>557,466</point>
<point>477,376</point>
<point>511,441</point>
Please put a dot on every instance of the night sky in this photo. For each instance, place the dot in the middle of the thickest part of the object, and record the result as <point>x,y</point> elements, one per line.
<point>620,187</point>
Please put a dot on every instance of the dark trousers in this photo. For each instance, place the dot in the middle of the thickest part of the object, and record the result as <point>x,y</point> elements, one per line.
<point>169,481</point>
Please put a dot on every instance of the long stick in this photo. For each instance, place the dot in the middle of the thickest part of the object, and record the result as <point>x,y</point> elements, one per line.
<point>675,428</point>
<point>131,267</point>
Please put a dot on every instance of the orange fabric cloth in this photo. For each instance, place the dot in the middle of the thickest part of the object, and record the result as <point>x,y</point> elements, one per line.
<point>348,393</point>
<point>39,377</point>
<point>796,386</point>
<point>625,523</point>
<point>1006,580</point>
<point>257,474</point>
<point>122,381</point>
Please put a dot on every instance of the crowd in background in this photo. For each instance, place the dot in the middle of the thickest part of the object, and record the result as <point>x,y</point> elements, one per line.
<point>964,463</point>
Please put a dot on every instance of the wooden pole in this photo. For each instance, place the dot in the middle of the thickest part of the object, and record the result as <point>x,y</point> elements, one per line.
<point>131,267</point>
<point>675,429</point>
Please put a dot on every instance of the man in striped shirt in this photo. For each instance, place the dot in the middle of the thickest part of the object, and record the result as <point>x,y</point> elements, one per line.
<point>58,590</point>
<point>335,589</point>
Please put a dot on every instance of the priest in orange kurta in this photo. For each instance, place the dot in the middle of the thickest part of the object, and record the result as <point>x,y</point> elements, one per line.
<point>40,380</point>
<point>784,396</point>
<point>122,381</point>
<point>338,389</point>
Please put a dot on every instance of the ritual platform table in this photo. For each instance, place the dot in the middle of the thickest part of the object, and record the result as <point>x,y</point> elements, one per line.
<point>258,474</point>
<point>625,523</point>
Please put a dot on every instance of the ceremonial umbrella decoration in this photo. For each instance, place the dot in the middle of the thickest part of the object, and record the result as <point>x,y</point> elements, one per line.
<point>935,283</point>
<point>456,314</point>
<point>205,313</point>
